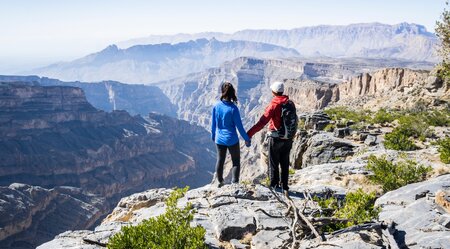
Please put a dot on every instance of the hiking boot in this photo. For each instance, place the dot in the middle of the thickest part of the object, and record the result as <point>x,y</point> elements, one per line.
<point>220,185</point>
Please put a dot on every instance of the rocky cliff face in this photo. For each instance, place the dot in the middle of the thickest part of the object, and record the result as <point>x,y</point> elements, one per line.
<point>110,95</point>
<point>51,136</point>
<point>392,88</point>
<point>312,86</point>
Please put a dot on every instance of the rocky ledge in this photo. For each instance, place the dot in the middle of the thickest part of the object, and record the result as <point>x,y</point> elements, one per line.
<point>249,216</point>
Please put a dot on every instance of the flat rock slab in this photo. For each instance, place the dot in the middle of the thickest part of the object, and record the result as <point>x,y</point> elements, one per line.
<point>221,201</point>
<point>70,240</point>
<point>421,223</point>
<point>269,239</point>
<point>104,232</point>
<point>232,222</point>
<point>265,222</point>
<point>407,194</point>
<point>361,240</point>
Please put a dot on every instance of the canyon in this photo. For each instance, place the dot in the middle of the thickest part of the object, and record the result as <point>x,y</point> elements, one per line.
<point>58,150</point>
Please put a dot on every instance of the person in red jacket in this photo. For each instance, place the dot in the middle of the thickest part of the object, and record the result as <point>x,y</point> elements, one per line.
<point>279,149</point>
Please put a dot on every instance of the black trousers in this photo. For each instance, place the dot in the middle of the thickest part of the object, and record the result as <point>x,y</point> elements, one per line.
<point>279,150</point>
<point>235,153</point>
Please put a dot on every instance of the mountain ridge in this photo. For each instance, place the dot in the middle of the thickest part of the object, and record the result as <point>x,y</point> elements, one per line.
<point>345,44</point>
<point>155,62</point>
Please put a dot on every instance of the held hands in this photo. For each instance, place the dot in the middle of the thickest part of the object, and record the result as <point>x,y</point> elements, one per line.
<point>248,143</point>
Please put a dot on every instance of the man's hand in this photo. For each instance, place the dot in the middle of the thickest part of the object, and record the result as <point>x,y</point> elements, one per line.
<point>248,143</point>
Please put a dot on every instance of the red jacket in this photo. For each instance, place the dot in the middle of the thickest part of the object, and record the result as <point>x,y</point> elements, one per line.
<point>272,114</point>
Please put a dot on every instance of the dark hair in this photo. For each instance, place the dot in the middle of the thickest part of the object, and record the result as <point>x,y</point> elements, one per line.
<point>228,92</point>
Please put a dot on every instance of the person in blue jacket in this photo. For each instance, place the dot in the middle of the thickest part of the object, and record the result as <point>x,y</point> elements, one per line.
<point>225,120</point>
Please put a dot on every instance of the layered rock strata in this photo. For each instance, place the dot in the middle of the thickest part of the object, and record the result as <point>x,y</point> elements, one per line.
<point>51,137</point>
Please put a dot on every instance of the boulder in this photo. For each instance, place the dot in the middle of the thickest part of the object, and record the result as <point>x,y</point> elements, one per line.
<point>316,121</point>
<point>324,148</point>
<point>341,132</point>
<point>371,140</point>
<point>338,177</point>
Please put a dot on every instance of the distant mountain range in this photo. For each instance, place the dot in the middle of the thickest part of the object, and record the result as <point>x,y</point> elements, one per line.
<point>157,58</point>
<point>151,63</point>
<point>374,40</point>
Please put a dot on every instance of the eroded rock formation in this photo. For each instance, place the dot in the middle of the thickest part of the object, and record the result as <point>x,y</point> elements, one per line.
<point>51,137</point>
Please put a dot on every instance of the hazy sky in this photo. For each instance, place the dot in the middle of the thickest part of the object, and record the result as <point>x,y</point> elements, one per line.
<point>38,32</point>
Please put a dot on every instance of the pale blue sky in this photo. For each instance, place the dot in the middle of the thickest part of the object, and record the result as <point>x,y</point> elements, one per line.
<point>38,32</point>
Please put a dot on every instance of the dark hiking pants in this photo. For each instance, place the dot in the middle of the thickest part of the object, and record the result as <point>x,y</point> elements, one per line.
<point>279,150</point>
<point>235,153</point>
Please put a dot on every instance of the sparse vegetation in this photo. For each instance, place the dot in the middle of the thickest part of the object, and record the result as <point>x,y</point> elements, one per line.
<point>358,207</point>
<point>301,124</point>
<point>396,140</point>
<point>383,116</point>
<point>246,182</point>
<point>437,118</point>
<point>444,150</point>
<point>344,113</point>
<point>291,171</point>
<point>395,175</point>
<point>169,230</point>
<point>413,125</point>
<point>266,181</point>
<point>329,128</point>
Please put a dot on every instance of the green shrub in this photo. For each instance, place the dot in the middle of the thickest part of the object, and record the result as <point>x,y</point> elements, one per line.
<point>395,175</point>
<point>301,124</point>
<point>397,140</point>
<point>291,171</point>
<point>437,118</point>
<point>410,126</point>
<point>339,113</point>
<point>329,128</point>
<point>383,116</point>
<point>266,181</point>
<point>358,207</point>
<point>414,126</point>
<point>169,230</point>
<point>444,150</point>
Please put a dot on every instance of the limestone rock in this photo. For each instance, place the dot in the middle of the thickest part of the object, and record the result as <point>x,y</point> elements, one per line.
<point>341,132</point>
<point>268,239</point>
<point>339,177</point>
<point>317,120</point>
<point>324,148</point>
<point>420,222</point>
<point>232,222</point>
<point>370,140</point>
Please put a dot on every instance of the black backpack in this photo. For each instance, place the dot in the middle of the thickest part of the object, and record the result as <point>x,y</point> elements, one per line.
<point>289,121</point>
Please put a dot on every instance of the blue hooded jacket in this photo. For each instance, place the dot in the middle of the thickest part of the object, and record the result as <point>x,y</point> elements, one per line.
<point>226,118</point>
